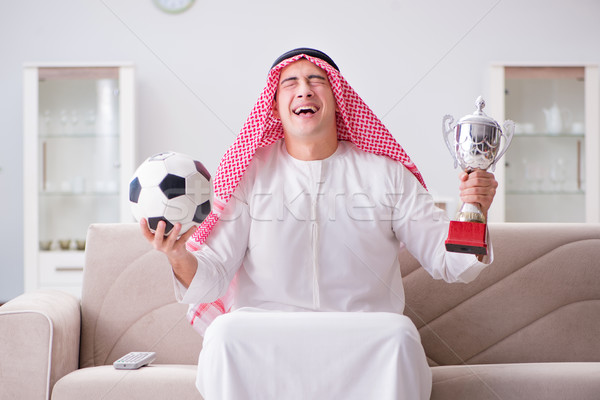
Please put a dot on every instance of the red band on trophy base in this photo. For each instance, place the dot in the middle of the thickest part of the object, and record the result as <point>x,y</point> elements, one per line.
<point>466,237</point>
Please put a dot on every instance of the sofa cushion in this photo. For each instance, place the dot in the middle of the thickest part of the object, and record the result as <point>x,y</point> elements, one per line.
<point>128,302</point>
<point>538,302</point>
<point>534,381</point>
<point>156,381</point>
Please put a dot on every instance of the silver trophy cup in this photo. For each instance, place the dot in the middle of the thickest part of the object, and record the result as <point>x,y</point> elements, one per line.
<point>474,143</point>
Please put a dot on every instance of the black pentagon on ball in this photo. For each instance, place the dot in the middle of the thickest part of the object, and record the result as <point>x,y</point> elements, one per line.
<point>202,212</point>
<point>134,190</point>
<point>153,223</point>
<point>172,186</point>
<point>202,169</point>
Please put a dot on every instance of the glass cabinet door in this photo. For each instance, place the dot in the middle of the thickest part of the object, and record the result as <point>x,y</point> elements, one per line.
<point>78,154</point>
<point>551,171</point>
<point>545,166</point>
<point>78,157</point>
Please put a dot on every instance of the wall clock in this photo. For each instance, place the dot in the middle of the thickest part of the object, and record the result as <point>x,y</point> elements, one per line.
<point>173,6</point>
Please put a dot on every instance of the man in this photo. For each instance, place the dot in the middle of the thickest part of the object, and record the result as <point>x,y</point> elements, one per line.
<point>312,204</point>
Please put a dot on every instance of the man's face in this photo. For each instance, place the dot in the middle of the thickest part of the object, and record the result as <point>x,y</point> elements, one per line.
<point>305,102</point>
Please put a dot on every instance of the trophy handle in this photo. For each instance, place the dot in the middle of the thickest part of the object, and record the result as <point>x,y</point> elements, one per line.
<point>509,131</point>
<point>448,129</point>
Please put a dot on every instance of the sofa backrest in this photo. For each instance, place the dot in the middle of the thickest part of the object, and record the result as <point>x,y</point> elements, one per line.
<point>128,302</point>
<point>539,301</point>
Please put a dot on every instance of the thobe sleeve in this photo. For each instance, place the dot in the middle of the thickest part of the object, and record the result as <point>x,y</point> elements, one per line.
<point>220,256</point>
<point>422,228</point>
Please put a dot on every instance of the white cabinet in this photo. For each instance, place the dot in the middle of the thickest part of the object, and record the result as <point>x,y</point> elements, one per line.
<point>78,158</point>
<point>551,172</point>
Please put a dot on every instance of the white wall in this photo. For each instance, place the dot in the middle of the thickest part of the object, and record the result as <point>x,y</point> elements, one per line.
<point>199,73</point>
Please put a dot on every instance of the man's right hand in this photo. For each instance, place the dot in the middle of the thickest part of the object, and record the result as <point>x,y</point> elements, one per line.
<point>183,262</point>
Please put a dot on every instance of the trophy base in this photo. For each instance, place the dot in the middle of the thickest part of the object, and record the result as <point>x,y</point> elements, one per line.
<point>466,237</point>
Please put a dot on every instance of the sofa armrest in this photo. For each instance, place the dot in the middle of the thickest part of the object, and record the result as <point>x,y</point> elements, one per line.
<point>39,343</point>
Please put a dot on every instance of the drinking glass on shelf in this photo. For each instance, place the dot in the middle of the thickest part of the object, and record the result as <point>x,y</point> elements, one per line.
<point>64,244</point>
<point>74,120</point>
<point>534,176</point>
<point>577,128</point>
<point>558,174</point>
<point>45,245</point>
<point>90,118</point>
<point>64,118</point>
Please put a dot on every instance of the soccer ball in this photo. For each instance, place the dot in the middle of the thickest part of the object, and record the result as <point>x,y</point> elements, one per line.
<point>170,187</point>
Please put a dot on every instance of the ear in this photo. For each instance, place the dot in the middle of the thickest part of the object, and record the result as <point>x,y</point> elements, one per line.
<point>275,108</point>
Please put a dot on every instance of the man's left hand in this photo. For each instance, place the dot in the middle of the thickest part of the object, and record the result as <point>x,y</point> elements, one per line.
<point>478,187</point>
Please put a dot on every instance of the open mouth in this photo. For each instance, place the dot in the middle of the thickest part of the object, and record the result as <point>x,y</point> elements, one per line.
<point>305,110</point>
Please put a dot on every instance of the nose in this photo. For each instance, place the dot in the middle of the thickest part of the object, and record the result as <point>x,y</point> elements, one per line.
<point>304,90</point>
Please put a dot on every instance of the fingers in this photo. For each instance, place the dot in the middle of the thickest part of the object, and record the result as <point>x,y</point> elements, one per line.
<point>171,239</point>
<point>164,243</point>
<point>171,244</point>
<point>478,187</point>
<point>156,238</point>
<point>477,178</point>
<point>145,230</point>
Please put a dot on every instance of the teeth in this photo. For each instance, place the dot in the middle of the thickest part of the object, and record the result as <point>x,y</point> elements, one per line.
<point>298,110</point>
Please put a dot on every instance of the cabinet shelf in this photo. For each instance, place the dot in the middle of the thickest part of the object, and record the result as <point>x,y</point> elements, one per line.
<point>545,192</point>
<point>60,252</point>
<point>549,135</point>
<point>87,135</point>
<point>82,194</point>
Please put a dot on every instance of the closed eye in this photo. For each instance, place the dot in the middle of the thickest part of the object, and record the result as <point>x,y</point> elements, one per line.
<point>317,78</point>
<point>312,79</point>
<point>287,82</point>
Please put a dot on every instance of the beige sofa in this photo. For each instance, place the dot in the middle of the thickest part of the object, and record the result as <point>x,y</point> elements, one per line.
<point>527,328</point>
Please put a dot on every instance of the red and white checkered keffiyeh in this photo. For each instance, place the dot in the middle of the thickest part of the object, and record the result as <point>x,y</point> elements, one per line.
<point>355,122</point>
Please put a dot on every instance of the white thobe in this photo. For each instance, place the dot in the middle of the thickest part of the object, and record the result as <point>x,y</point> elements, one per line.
<point>319,236</point>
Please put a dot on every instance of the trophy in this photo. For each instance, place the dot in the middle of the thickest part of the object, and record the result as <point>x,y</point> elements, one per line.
<point>475,144</point>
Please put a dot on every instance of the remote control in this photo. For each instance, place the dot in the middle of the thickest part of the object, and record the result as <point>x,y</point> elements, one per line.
<point>135,360</point>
